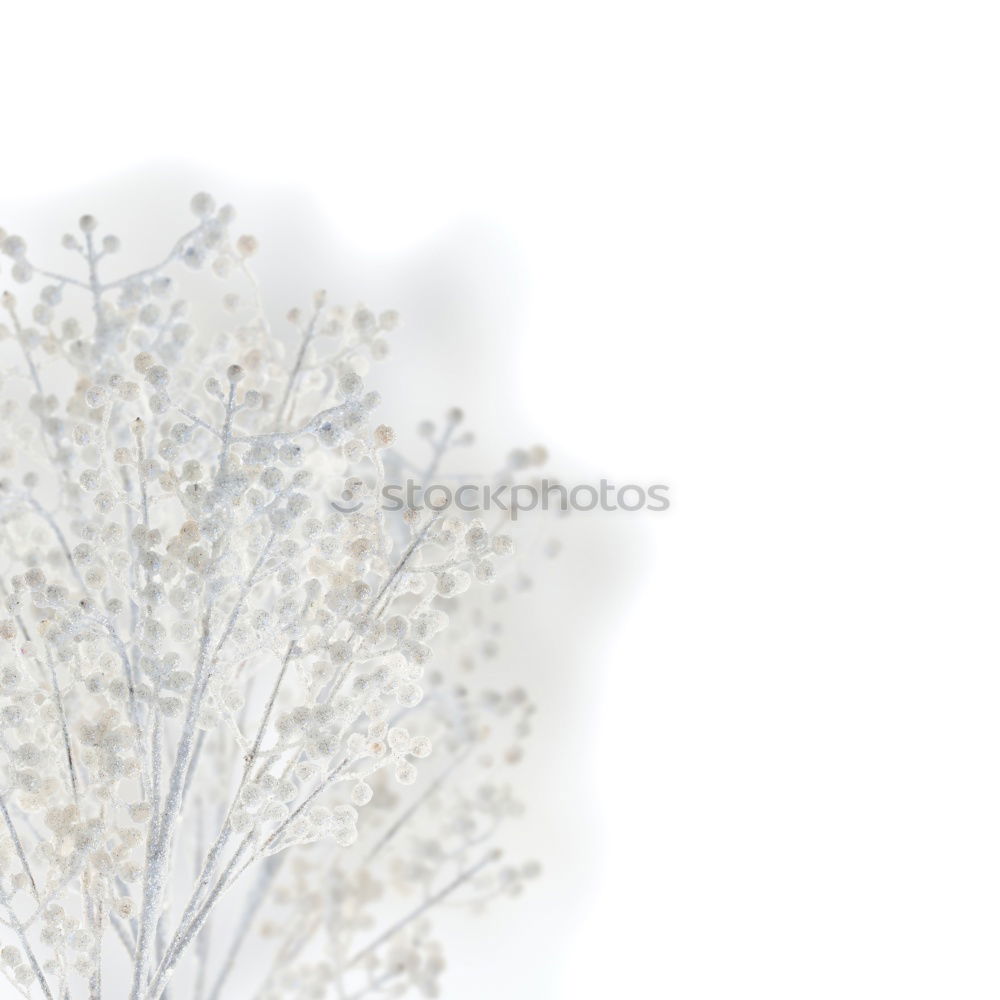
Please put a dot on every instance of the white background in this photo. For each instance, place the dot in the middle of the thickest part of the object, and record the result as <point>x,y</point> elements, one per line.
<point>748,249</point>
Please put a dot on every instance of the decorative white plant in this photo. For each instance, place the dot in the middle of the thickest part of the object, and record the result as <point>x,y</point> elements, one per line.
<point>216,685</point>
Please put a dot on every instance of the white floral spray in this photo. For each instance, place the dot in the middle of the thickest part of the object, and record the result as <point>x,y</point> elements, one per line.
<point>215,683</point>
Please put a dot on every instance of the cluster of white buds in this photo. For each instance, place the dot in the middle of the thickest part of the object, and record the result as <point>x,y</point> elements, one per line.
<point>208,667</point>
<point>430,849</point>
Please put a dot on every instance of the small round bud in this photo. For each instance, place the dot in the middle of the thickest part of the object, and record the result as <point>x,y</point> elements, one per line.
<point>361,793</point>
<point>503,545</point>
<point>246,246</point>
<point>157,376</point>
<point>351,385</point>
<point>202,205</point>
<point>96,396</point>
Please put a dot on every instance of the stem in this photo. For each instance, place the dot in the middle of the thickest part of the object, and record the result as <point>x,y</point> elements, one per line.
<point>431,901</point>
<point>183,942</point>
<point>215,852</point>
<point>307,337</point>
<point>424,796</point>
<point>64,726</point>
<point>26,945</point>
<point>253,904</point>
<point>160,846</point>
<point>18,847</point>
